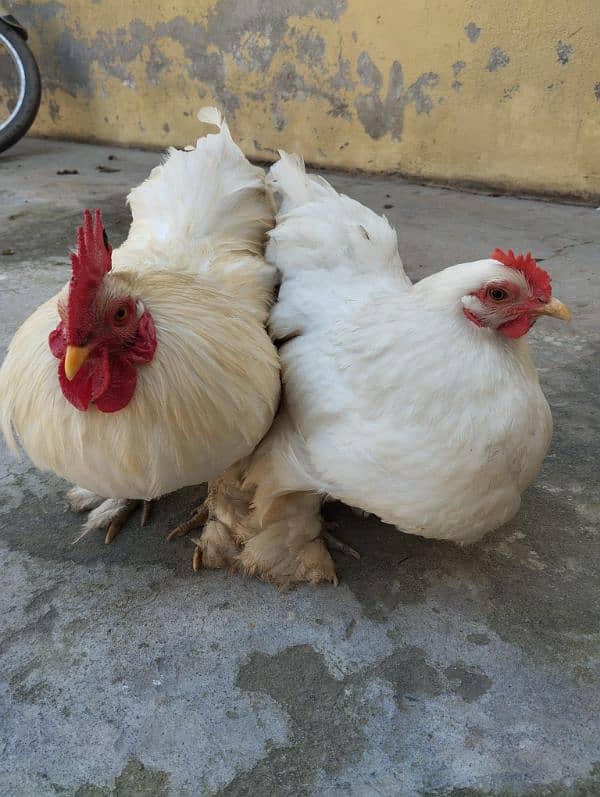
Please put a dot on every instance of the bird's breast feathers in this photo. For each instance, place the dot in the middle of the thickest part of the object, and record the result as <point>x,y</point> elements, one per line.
<point>433,434</point>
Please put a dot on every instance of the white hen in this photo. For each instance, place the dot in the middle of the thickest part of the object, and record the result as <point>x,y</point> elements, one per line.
<point>152,369</point>
<point>418,403</point>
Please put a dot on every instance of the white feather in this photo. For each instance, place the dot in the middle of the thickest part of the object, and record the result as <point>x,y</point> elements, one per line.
<point>317,228</point>
<point>210,115</point>
<point>82,500</point>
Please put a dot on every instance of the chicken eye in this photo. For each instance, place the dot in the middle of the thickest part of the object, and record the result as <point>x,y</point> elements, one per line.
<point>120,315</point>
<point>497,294</point>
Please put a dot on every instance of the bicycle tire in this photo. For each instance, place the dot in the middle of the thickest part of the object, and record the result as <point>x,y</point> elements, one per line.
<point>23,119</point>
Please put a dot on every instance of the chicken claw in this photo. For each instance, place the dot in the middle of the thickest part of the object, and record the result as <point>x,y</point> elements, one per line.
<point>338,545</point>
<point>146,513</point>
<point>105,513</point>
<point>197,521</point>
<point>197,559</point>
<point>120,519</point>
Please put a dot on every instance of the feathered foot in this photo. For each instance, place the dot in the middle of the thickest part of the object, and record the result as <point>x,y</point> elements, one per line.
<point>105,513</point>
<point>215,547</point>
<point>287,547</point>
<point>81,500</point>
<point>226,502</point>
<point>264,556</point>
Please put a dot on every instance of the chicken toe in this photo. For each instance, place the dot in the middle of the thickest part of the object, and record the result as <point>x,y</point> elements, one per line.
<point>197,559</point>
<point>146,513</point>
<point>215,548</point>
<point>120,519</point>
<point>197,521</point>
<point>110,514</point>
<point>338,545</point>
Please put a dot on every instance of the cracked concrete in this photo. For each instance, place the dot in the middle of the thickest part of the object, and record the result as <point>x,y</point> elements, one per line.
<point>432,671</point>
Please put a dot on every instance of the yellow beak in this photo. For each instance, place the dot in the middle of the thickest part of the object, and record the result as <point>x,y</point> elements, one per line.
<point>75,357</point>
<point>556,309</point>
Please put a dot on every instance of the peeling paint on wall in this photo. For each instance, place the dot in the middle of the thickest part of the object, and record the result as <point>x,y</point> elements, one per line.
<point>457,68</point>
<point>473,32</point>
<point>386,115</point>
<point>563,52</point>
<point>498,59</point>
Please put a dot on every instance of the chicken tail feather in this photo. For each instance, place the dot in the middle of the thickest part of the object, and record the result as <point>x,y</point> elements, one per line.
<point>318,228</point>
<point>203,204</point>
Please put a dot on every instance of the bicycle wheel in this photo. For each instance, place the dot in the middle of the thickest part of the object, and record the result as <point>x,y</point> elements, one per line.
<point>20,86</point>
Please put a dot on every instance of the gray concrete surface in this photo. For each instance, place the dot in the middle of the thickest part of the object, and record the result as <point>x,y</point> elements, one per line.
<point>430,672</point>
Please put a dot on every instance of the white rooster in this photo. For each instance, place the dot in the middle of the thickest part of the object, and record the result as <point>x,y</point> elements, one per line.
<point>417,403</point>
<point>152,368</point>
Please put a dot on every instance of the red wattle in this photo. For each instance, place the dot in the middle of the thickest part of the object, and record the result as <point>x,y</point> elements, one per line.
<point>77,391</point>
<point>517,327</point>
<point>107,378</point>
<point>123,379</point>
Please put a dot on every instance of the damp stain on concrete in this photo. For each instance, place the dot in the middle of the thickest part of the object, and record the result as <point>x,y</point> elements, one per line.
<point>410,675</point>
<point>324,712</point>
<point>322,729</point>
<point>135,779</point>
<point>582,787</point>
<point>468,683</point>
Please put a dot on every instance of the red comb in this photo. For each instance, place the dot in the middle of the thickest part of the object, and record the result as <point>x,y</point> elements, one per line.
<point>537,278</point>
<point>89,265</point>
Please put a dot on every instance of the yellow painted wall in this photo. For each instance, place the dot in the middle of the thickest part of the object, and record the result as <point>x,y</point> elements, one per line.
<point>501,93</point>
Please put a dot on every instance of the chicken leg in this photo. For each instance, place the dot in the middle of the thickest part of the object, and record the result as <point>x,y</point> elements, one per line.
<point>288,546</point>
<point>226,502</point>
<point>105,513</point>
<point>215,547</point>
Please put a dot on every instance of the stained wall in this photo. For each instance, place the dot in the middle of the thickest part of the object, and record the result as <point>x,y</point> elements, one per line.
<point>497,93</point>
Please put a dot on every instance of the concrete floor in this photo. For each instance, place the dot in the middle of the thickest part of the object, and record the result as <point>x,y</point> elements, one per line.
<point>430,672</point>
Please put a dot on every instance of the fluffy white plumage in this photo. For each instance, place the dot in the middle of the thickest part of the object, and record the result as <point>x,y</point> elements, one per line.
<point>394,402</point>
<point>194,259</point>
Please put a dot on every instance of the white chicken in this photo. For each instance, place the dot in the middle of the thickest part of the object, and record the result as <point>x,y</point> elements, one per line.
<point>152,369</point>
<point>417,403</point>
